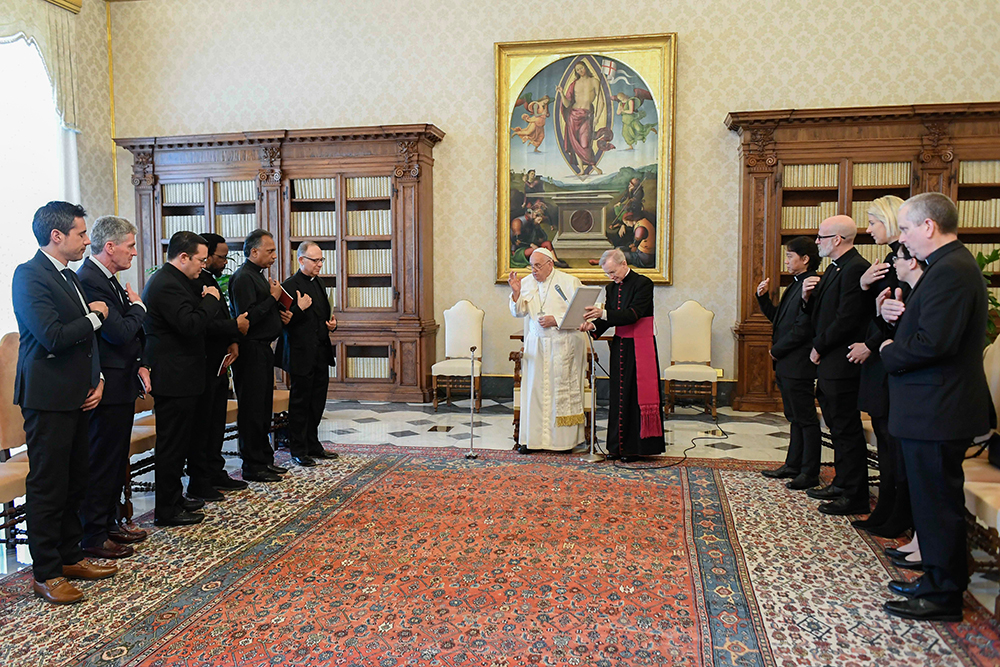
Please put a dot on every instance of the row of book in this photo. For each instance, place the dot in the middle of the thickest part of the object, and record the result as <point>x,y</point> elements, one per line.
<point>807,217</point>
<point>978,171</point>
<point>369,297</point>
<point>184,193</point>
<point>331,296</point>
<point>369,186</point>
<point>889,174</point>
<point>314,188</point>
<point>367,367</point>
<point>235,225</point>
<point>329,262</point>
<point>986,249</point>
<point>369,262</point>
<point>369,223</point>
<point>810,176</point>
<point>182,223</point>
<point>314,223</point>
<point>227,192</point>
<point>979,213</point>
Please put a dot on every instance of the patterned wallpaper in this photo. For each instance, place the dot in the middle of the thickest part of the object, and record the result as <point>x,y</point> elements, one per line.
<point>94,141</point>
<point>193,66</point>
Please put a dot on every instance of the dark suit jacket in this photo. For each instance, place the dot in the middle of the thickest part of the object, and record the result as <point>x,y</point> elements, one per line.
<point>873,395</point>
<point>175,326</point>
<point>791,334</point>
<point>121,337</point>
<point>840,312</point>
<point>221,330</point>
<point>305,339</point>
<point>937,385</point>
<point>57,361</point>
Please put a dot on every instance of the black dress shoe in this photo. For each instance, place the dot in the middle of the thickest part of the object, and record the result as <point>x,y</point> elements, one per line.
<point>227,483</point>
<point>523,449</point>
<point>896,553</point>
<point>891,529</point>
<point>629,459</point>
<point>305,460</point>
<point>842,506</point>
<point>204,492</point>
<point>182,518</point>
<point>826,493</point>
<point>922,609</point>
<point>784,472</point>
<point>802,482</point>
<point>191,504</point>
<point>908,564</point>
<point>264,475</point>
<point>323,454</point>
<point>278,470</point>
<point>612,457</point>
<point>904,588</point>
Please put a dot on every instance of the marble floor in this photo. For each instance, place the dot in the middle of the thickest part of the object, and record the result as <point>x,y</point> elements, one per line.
<point>745,436</point>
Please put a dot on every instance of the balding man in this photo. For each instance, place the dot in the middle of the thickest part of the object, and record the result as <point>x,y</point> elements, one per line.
<point>839,311</point>
<point>552,381</point>
<point>939,399</point>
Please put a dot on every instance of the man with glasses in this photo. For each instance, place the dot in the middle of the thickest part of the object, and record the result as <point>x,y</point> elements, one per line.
<point>206,466</point>
<point>839,311</point>
<point>253,373</point>
<point>177,317</point>
<point>306,354</point>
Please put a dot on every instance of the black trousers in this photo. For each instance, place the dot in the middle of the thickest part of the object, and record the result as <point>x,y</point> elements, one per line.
<point>893,507</point>
<point>58,452</point>
<point>175,421</point>
<point>110,436</point>
<point>306,402</point>
<point>839,401</point>
<point>205,461</point>
<point>934,471</point>
<point>798,396</point>
<point>253,375</point>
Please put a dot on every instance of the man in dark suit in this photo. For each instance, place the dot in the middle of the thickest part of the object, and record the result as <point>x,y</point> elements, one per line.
<point>839,312</point>
<point>306,353</point>
<point>178,315</point>
<point>253,372</point>
<point>120,342</point>
<point>794,373</point>
<point>939,399</point>
<point>206,465</point>
<point>58,383</point>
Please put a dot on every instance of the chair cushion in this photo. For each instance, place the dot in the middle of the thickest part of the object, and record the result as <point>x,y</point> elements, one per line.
<point>982,499</point>
<point>456,367</point>
<point>280,403</point>
<point>690,373</point>
<point>980,470</point>
<point>20,457</point>
<point>148,419</point>
<point>12,476</point>
<point>231,410</point>
<point>143,439</point>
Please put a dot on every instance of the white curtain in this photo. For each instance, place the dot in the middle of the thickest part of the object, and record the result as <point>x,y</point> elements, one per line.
<point>41,158</point>
<point>51,30</point>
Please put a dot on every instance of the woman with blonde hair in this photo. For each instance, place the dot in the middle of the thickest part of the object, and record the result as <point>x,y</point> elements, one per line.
<point>892,514</point>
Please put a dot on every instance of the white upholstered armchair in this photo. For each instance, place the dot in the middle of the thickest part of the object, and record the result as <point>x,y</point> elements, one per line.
<point>463,328</point>
<point>690,372</point>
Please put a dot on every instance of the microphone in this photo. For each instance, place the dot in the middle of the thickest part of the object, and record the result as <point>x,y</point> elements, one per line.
<point>560,293</point>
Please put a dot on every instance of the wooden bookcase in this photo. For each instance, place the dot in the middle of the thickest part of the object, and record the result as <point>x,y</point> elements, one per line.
<point>800,166</point>
<point>364,194</point>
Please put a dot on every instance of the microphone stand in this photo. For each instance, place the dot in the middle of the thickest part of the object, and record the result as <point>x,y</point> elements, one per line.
<point>593,456</point>
<point>471,454</point>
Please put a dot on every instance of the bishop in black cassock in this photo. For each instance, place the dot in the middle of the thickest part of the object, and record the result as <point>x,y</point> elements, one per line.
<point>635,419</point>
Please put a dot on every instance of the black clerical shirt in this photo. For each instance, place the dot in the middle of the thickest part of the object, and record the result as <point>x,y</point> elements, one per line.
<point>250,293</point>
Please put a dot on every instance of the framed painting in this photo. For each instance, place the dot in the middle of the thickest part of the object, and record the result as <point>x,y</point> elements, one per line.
<point>585,138</point>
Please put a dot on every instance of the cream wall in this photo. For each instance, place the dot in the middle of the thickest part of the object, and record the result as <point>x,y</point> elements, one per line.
<point>198,66</point>
<point>94,141</point>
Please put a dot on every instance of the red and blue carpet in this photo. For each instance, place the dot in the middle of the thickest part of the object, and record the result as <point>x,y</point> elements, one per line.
<point>413,557</point>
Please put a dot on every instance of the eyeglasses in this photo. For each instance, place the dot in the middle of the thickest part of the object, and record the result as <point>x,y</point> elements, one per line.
<point>202,261</point>
<point>827,236</point>
<point>317,260</point>
<point>226,256</point>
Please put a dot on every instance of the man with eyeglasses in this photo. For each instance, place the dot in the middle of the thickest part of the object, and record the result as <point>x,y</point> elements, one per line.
<point>206,466</point>
<point>839,311</point>
<point>177,316</point>
<point>306,354</point>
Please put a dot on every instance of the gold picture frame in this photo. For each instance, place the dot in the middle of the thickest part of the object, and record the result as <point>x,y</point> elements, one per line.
<point>585,173</point>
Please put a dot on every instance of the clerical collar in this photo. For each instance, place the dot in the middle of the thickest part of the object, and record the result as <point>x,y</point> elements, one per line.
<point>311,278</point>
<point>255,267</point>
<point>941,252</point>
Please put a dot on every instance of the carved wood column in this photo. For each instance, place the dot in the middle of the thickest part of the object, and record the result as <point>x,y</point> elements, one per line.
<point>147,219</point>
<point>936,160</point>
<point>755,389</point>
<point>269,196</point>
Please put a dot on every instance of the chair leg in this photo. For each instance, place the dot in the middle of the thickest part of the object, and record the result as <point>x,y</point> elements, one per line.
<point>434,383</point>
<point>126,507</point>
<point>479,394</point>
<point>447,391</point>
<point>715,401</point>
<point>517,427</point>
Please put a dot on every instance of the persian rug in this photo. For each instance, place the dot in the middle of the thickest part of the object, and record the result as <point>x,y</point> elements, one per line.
<point>391,557</point>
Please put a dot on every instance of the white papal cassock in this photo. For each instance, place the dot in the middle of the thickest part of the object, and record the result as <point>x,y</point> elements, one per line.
<point>552,368</point>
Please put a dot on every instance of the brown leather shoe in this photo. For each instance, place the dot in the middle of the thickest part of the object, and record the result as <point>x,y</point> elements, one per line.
<point>57,591</point>
<point>109,549</point>
<point>88,569</point>
<point>126,535</point>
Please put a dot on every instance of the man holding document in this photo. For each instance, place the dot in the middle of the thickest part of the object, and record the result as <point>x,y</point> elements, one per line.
<point>552,382</point>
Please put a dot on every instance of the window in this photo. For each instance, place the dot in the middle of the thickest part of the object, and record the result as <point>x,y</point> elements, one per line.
<point>39,159</point>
